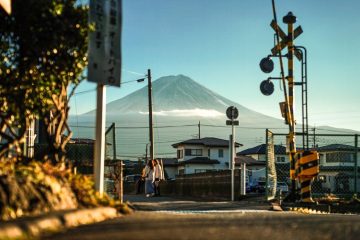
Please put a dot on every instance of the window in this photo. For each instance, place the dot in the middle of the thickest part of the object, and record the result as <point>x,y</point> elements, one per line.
<point>181,171</point>
<point>200,170</point>
<point>339,157</point>
<point>221,153</point>
<point>180,154</point>
<point>209,152</point>
<point>193,152</point>
<point>280,159</point>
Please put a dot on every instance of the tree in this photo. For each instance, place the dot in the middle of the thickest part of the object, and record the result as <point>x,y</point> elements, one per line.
<point>43,50</point>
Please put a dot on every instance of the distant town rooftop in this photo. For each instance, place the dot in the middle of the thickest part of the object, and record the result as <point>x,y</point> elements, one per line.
<point>261,149</point>
<point>336,147</point>
<point>207,141</point>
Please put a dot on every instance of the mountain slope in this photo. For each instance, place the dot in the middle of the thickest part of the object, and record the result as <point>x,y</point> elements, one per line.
<point>174,94</point>
<point>179,106</point>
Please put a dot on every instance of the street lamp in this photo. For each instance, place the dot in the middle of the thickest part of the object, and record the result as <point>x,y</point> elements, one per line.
<point>137,80</point>
<point>151,131</point>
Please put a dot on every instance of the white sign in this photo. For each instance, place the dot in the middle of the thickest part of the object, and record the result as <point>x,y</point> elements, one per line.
<point>6,4</point>
<point>104,43</point>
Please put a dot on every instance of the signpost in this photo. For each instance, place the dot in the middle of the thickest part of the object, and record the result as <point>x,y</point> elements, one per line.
<point>104,69</point>
<point>232,113</point>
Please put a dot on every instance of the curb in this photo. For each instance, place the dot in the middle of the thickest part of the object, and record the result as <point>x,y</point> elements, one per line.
<point>54,222</point>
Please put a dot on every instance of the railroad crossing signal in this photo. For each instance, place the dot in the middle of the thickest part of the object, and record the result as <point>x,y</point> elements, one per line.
<point>285,39</point>
<point>303,165</point>
<point>267,87</point>
<point>266,65</point>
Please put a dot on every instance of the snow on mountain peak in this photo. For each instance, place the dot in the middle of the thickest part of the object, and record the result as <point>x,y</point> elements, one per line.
<point>208,113</point>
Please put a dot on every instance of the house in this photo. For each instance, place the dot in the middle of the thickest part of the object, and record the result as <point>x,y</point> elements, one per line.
<point>256,167</point>
<point>202,155</point>
<point>251,163</point>
<point>337,169</point>
<point>170,167</point>
<point>259,153</point>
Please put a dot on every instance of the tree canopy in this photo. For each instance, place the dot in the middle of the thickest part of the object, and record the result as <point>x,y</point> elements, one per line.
<point>43,49</point>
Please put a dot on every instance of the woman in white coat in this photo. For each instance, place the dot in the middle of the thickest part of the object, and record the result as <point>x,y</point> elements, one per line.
<point>159,176</point>
<point>149,179</point>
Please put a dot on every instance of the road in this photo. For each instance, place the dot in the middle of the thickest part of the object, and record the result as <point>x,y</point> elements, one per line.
<point>166,218</point>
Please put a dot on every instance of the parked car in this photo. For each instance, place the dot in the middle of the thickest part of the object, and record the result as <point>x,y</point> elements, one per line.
<point>260,187</point>
<point>132,178</point>
<point>282,186</point>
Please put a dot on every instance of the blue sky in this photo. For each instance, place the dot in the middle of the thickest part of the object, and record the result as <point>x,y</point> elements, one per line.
<point>219,44</point>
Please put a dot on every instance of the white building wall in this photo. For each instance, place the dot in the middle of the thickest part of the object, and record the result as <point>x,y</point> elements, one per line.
<point>324,162</point>
<point>182,148</point>
<point>214,155</point>
<point>204,151</point>
<point>190,168</point>
<point>262,157</point>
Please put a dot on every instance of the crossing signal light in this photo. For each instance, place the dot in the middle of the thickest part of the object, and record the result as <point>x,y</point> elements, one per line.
<point>267,87</point>
<point>267,65</point>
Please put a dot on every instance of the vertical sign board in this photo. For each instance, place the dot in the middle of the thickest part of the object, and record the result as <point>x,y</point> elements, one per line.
<point>104,68</point>
<point>104,42</point>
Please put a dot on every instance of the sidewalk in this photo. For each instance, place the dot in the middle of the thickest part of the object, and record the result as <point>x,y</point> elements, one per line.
<point>31,227</point>
<point>171,203</point>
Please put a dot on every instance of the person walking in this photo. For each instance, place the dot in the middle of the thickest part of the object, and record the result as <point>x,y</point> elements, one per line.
<point>149,175</point>
<point>159,176</point>
<point>139,186</point>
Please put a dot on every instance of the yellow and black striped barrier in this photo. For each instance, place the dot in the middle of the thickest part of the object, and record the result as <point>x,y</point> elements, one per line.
<point>307,167</point>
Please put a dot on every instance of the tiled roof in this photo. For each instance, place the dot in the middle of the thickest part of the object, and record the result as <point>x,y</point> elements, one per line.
<point>207,141</point>
<point>336,147</point>
<point>261,149</point>
<point>169,161</point>
<point>248,160</point>
<point>199,160</point>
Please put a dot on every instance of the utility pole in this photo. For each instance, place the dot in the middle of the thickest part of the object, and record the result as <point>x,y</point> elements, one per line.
<point>146,153</point>
<point>314,138</point>
<point>199,129</point>
<point>151,132</point>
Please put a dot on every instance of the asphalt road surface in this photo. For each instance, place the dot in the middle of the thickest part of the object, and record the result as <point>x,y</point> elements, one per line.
<point>216,220</point>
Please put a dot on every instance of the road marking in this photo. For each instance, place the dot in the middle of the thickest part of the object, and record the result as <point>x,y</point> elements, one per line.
<point>212,211</point>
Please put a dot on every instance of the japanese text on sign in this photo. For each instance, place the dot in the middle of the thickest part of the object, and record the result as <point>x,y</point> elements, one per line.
<point>104,42</point>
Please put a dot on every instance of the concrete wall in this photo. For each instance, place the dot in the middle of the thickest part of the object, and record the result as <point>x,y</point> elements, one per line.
<point>211,185</point>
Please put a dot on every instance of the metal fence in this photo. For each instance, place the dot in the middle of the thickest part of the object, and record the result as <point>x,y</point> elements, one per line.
<point>339,164</point>
<point>80,153</point>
